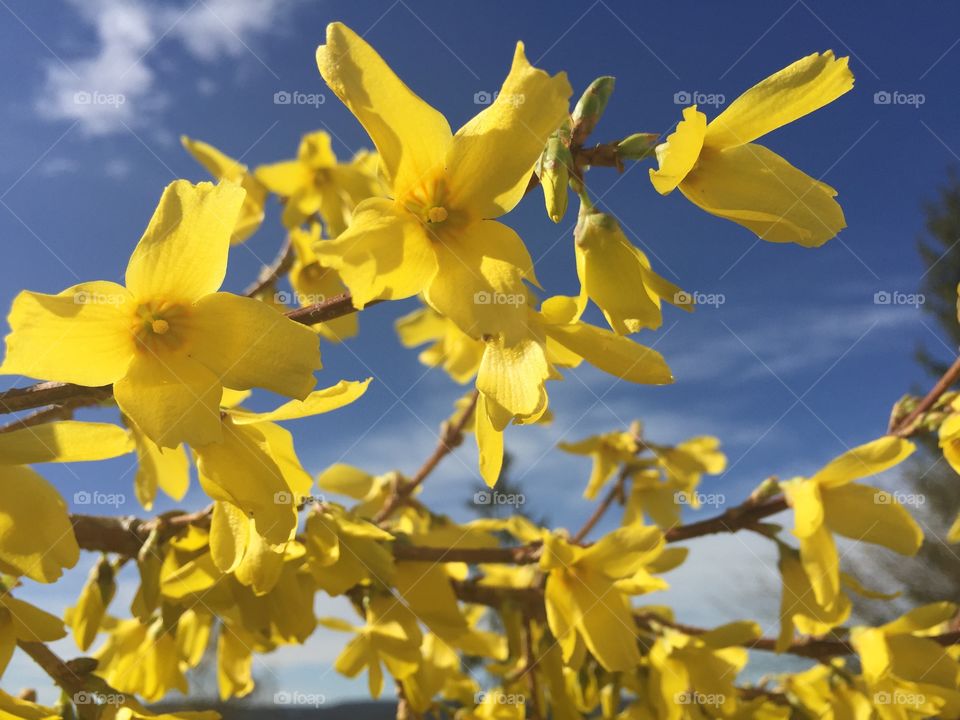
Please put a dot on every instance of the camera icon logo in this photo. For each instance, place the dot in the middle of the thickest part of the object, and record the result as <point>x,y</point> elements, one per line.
<point>282,97</point>
<point>682,98</point>
<point>882,97</point>
<point>882,297</point>
<point>82,497</point>
<point>482,497</point>
<point>282,497</point>
<point>482,97</point>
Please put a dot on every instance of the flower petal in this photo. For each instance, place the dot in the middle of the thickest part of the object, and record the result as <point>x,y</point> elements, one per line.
<point>182,255</point>
<point>36,537</point>
<point>64,441</point>
<point>864,460</point>
<point>316,403</point>
<point>248,344</point>
<point>284,178</point>
<point>756,188</point>
<point>821,563</point>
<point>172,399</point>
<point>492,156</point>
<point>166,468</point>
<point>384,255</point>
<point>612,353</point>
<point>797,90</point>
<point>489,444</point>
<point>867,514</point>
<point>511,381</point>
<point>412,138</point>
<point>81,336</point>
<point>479,281</point>
<point>677,156</point>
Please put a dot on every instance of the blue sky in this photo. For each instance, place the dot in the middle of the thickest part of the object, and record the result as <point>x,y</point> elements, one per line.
<point>797,364</point>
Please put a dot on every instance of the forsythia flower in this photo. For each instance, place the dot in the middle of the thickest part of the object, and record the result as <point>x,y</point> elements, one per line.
<point>20,620</point>
<point>608,451</point>
<point>584,602</point>
<point>316,184</point>
<point>909,675</point>
<point>255,467</point>
<point>36,537</point>
<point>831,501</point>
<point>434,234</point>
<point>454,350</point>
<point>719,168</point>
<point>617,276</point>
<point>222,167</point>
<point>168,341</point>
<point>314,283</point>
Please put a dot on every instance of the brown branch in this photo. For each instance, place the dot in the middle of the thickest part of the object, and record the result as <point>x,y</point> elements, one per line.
<point>272,272</point>
<point>55,393</point>
<point>736,518</point>
<point>907,426</point>
<point>451,435</point>
<point>615,493</point>
<point>62,674</point>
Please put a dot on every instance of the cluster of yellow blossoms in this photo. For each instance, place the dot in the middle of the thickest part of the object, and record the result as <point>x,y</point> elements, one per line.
<point>420,218</point>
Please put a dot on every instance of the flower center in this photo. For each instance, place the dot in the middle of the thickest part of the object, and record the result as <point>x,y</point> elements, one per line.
<point>159,326</point>
<point>437,214</point>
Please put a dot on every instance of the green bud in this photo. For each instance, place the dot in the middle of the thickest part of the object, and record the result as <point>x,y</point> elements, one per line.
<point>590,107</point>
<point>638,146</point>
<point>554,175</point>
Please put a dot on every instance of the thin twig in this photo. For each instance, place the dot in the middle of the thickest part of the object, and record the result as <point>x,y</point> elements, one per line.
<point>272,272</point>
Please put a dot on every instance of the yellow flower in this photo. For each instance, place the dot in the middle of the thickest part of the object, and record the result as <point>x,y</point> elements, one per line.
<point>390,636</point>
<point>831,502</point>
<point>255,467</point>
<point>141,659</point>
<point>454,350</point>
<point>909,675</point>
<point>168,341</point>
<point>608,451</point>
<point>316,184</point>
<point>584,602</point>
<point>617,276</point>
<point>36,536</point>
<point>20,620</point>
<point>314,283</point>
<point>719,168</point>
<point>434,235</point>
<point>222,167</point>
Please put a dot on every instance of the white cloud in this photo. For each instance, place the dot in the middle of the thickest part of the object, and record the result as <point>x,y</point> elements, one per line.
<point>116,85</point>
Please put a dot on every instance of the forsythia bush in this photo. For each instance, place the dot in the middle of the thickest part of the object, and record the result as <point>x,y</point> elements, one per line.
<point>552,617</point>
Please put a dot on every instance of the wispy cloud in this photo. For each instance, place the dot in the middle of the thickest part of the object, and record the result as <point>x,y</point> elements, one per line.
<point>115,86</point>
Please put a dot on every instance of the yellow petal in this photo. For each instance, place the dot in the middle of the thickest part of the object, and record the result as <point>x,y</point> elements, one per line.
<point>234,665</point>
<point>921,618</point>
<point>797,90</point>
<point>677,156</point>
<point>953,535</point>
<point>36,536</point>
<point>346,480</point>
<point>64,441</point>
<point>316,403</point>
<point>489,444</point>
<point>492,156</point>
<point>280,443</point>
<point>385,254</point>
<point>285,178</point>
<point>867,514</point>
<point>805,498</point>
<point>172,399</point>
<point>182,255</point>
<point>818,553</point>
<point>412,138</point>
<point>240,340</point>
<point>229,535</point>
<point>511,381</point>
<point>479,281</point>
<point>32,624</point>
<point>604,621</point>
<point>166,468</point>
<point>240,470</point>
<point>756,188</point>
<point>613,354</point>
<point>864,460</point>
<point>81,335</point>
